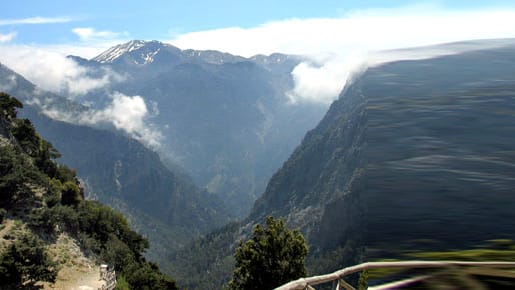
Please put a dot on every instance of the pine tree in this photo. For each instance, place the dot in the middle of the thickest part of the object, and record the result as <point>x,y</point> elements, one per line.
<point>273,256</point>
<point>26,262</point>
<point>8,106</point>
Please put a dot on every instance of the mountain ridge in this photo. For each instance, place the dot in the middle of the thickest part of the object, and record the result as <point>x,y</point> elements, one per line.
<point>149,49</point>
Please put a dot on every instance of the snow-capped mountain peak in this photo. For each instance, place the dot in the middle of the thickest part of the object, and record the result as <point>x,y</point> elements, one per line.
<point>138,53</point>
<point>117,51</point>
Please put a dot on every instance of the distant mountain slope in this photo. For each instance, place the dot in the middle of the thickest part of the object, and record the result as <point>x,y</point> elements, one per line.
<point>139,52</point>
<point>319,183</point>
<point>226,119</point>
<point>119,167</point>
<point>164,205</point>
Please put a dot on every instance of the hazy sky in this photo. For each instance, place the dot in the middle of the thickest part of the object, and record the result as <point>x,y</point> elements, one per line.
<point>168,18</point>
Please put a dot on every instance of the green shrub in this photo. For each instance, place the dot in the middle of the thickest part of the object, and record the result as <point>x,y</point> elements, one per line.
<point>273,256</point>
<point>3,213</point>
<point>25,262</point>
<point>71,194</point>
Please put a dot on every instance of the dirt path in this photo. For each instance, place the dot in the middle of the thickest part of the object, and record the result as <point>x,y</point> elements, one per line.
<point>8,224</point>
<point>73,280</point>
<point>77,272</point>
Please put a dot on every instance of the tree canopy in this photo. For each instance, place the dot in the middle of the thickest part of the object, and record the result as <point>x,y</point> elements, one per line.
<point>274,255</point>
<point>8,106</point>
<point>26,261</point>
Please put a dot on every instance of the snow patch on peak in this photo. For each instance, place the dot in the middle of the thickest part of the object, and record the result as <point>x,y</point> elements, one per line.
<point>270,59</point>
<point>135,44</point>
<point>211,56</point>
<point>149,56</point>
<point>115,52</point>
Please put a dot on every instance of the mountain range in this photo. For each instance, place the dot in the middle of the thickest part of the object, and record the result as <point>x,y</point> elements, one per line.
<point>227,120</point>
<point>413,155</point>
<point>227,124</point>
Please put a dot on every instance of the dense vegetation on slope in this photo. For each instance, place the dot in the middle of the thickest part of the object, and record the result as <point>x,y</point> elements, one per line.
<point>207,262</point>
<point>25,262</point>
<point>48,199</point>
<point>273,256</point>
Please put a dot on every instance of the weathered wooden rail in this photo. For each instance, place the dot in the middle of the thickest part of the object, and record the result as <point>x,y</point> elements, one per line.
<point>463,270</point>
<point>108,275</point>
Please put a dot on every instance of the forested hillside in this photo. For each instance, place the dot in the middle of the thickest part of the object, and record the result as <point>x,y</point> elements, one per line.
<point>41,200</point>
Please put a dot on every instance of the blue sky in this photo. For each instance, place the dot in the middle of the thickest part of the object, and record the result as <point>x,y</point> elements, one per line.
<point>163,20</point>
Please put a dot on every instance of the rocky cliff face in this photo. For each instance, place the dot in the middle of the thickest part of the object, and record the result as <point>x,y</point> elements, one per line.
<point>317,188</point>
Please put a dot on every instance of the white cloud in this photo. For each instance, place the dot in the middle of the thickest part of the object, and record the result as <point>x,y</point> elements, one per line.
<point>7,37</point>
<point>7,84</point>
<point>348,39</point>
<point>36,20</point>
<point>91,42</point>
<point>335,46</point>
<point>85,49</point>
<point>52,71</point>
<point>126,113</point>
<point>319,81</point>
<point>88,34</point>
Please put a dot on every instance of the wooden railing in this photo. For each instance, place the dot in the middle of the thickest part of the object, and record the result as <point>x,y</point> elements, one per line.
<point>108,275</point>
<point>463,271</point>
